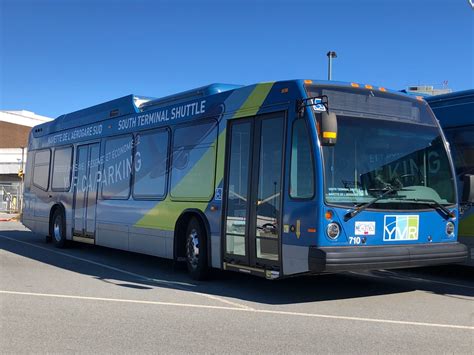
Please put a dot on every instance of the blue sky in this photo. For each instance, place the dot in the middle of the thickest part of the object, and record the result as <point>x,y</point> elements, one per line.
<point>57,56</point>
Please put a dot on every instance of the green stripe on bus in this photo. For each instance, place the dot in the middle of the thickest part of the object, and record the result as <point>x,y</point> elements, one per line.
<point>466,226</point>
<point>251,106</point>
<point>196,180</point>
<point>165,213</point>
<point>220,164</point>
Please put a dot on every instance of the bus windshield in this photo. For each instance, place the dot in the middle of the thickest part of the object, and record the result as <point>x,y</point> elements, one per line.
<point>385,143</point>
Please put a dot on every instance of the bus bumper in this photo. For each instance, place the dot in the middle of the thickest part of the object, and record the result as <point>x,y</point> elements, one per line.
<point>336,259</point>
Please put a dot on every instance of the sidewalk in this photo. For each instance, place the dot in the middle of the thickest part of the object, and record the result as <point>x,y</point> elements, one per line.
<point>5,217</point>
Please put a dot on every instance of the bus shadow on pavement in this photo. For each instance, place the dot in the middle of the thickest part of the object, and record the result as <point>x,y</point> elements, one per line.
<point>144,272</point>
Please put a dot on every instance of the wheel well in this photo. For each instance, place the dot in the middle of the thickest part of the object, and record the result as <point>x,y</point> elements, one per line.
<point>180,230</point>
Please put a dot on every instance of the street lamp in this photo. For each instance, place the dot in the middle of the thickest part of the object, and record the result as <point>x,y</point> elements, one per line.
<point>330,54</point>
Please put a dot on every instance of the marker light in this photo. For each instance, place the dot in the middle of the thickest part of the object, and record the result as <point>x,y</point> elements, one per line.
<point>382,89</point>
<point>354,85</point>
<point>308,81</point>
<point>450,228</point>
<point>328,215</point>
<point>332,135</point>
<point>333,230</point>
<point>368,86</point>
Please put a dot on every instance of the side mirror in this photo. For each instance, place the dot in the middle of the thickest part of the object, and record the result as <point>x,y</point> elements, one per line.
<point>328,128</point>
<point>468,189</point>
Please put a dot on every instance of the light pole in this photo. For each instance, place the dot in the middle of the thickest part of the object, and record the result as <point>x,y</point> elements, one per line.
<point>331,55</point>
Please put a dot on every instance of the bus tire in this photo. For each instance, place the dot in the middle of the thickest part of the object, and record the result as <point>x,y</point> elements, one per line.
<point>58,228</point>
<point>196,250</point>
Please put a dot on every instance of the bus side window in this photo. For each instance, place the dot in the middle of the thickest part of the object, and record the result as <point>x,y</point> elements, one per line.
<point>61,180</point>
<point>41,169</point>
<point>115,179</point>
<point>151,161</point>
<point>461,140</point>
<point>193,161</point>
<point>302,168</point>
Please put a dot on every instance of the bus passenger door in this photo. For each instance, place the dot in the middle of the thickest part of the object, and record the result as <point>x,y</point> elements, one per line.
<point>253,191</point>
<point>85,192</point>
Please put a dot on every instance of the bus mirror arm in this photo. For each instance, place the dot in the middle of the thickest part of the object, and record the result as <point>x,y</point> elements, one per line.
<point>313,101</point>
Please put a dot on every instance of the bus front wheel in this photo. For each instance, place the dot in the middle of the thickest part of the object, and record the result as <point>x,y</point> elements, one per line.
<point>196,250</point>
<point>58,228</point>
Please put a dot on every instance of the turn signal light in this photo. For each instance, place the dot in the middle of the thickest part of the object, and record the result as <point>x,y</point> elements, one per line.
<point>328,215</point>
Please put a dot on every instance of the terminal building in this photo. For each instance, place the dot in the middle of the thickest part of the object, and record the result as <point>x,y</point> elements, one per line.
<point>15,127</point>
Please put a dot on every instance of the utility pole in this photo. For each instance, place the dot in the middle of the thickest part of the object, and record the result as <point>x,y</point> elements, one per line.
<point>331,55</point>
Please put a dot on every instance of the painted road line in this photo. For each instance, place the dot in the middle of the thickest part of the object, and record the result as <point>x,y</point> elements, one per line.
<point>220,299</point>
<point>145,278</point>
<point>386,274</point>
<point>259,311</point>
<point>406,276</point>
<point>183,286</point>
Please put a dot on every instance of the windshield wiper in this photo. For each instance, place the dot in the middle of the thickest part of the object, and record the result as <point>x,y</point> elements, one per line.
<point>433,203</point>
<point>388,190</point>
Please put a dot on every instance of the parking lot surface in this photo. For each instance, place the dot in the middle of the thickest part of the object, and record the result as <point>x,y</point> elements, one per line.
<point>96,300</point>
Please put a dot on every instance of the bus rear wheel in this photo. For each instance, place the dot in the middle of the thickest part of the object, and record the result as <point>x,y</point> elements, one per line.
<point>196,250</point>
<point>58,229</point>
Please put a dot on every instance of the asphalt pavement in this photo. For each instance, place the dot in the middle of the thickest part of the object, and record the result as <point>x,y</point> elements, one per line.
<point>87,299</point>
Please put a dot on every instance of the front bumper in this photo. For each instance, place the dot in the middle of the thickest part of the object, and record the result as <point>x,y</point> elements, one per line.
<point>336,259</point>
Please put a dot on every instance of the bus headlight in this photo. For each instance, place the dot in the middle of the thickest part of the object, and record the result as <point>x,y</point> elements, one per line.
<point>450,228</point>
<point>333,230</point>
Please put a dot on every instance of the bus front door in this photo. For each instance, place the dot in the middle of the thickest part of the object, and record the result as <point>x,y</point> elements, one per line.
<point>85,192</point>
<point>253,191</point>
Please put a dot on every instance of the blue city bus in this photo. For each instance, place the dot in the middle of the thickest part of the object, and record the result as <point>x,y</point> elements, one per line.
<point>455,112</point>
<point>273,179</point>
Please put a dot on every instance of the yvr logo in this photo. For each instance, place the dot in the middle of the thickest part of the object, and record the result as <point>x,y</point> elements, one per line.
<point>400,228</point>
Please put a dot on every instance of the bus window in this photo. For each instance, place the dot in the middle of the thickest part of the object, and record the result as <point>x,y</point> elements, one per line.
<point>117,168</point>
<point>302,171</point>
<point>193,162</point>
<point>462,145</point>
<point>151,165</point>
<point>41,169</point>
<point>62,169</point>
